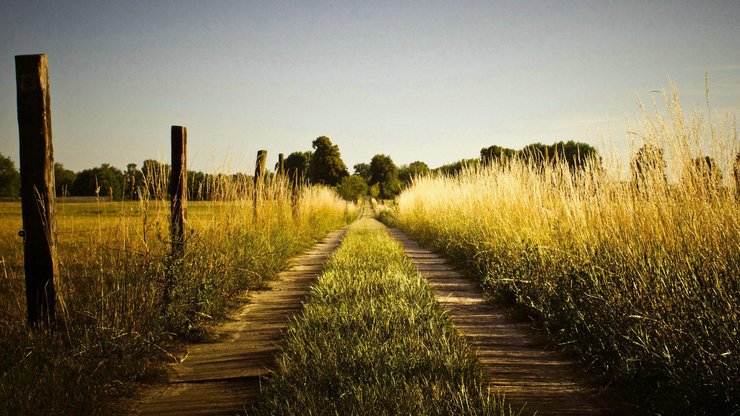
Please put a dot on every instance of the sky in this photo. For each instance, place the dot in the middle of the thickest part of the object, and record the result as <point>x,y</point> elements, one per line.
<point>417,80</point>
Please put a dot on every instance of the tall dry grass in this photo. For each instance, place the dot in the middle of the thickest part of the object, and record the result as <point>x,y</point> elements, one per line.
<point>113,326</point>
<point>634,267</point>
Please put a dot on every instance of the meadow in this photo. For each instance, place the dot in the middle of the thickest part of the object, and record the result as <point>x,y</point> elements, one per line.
<point>633,267</point>
<point>372,340</point>
<point>114,330</point>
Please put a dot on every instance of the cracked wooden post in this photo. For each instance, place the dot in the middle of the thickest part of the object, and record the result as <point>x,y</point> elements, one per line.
<point>37,188</point>
<point>280,167</point>
<point>259,179</point>
<point>178,189</point>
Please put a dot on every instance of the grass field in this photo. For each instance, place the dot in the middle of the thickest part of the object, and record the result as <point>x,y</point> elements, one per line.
<point>372,340</point>
<point>114,329</point>
<point>642,280</point>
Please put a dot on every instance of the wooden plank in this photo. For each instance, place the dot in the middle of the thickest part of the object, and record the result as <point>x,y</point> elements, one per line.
<point>517,359</point>
<point>37,187</point>
<point>224,376</point>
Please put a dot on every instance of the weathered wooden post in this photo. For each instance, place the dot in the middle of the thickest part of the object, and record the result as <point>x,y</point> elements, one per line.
<point>280,167</point>
<point>295,194</point>
<point>259,178</point>
<point>178,189</point>
<point>37,187</point>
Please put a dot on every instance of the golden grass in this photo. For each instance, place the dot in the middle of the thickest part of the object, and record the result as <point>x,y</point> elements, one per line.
<point>643,279</point>
<point>113,264</point>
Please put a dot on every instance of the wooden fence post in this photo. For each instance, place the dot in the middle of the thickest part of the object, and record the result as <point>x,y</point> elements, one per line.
<point>37,187</point>
<point>295,194</point>
<point>280,167</point>
<point>178,189</point>
<point>259,178</point>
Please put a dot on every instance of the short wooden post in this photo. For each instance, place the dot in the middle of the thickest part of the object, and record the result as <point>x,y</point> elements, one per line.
<point>37,187</point>
<point>178,189</point>
<point>280,167</point>
<point>259,178</point>
<point>295,193</point>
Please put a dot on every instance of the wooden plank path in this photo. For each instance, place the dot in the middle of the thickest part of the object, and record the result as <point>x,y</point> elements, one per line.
<point>516,358</point>
<point>222,377</point>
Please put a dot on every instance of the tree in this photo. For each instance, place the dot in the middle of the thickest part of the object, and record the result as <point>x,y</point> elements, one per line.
<point>296,165</point>
<point>703,171</point>
<point>133,182</point>
<point>363,170</point>
<point>198,186</point>
<point>495,153</point>
<point>384,173</point>
<point>63,178</point>
<point>99,181</point>
<point>326,166</point>
<point>456,167</point>
<point>648,168</point>
<point>575,154</point>
<point>352,187</point>
<point>156,176</point>
<point>10,179</point>
<point>407,172</point>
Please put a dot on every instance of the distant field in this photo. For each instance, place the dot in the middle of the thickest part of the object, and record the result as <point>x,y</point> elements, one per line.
<point>113,327</point>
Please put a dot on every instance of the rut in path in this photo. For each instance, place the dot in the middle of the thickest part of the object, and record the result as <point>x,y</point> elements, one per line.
<point>516,358</point>
<point>222,377</point>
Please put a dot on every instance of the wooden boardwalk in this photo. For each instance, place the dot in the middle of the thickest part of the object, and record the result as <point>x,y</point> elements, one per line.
<point>221,377</point>
<point>516,358</point>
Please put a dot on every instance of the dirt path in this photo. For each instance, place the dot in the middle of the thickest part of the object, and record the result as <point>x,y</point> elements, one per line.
<point>219,378</point>
<point>516,358</point>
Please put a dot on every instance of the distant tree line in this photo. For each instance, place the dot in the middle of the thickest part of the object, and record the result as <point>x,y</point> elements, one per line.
<point>323,164</point>
<point>575,154</point>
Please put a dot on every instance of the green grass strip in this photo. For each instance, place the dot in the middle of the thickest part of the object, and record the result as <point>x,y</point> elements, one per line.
<point>372,340</point>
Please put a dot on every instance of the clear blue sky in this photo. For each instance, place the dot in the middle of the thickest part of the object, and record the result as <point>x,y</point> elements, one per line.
<point>432,81</point>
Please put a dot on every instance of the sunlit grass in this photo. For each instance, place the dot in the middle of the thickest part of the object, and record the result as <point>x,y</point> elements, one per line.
<point>373,341</point>
<point>643,280</point>
<point>113,327</point>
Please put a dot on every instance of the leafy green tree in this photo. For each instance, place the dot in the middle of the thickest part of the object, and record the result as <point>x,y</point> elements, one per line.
<point>326,166</point>
<point>99,181</point>
<point>363,170</point>
<point>384,173</point>
<point>456,167</point>
<point>495,153</point>
<point>352,187</point>
<point>63,179</point>
<point>296,165</point>
<point>704,172</point>
<point>407,172</point>
<point>156,176</point>
<point>10,178</point>
<point>198,186</point>
<point>575,154</point>
<point>648,168</point>
<point>133,182</point>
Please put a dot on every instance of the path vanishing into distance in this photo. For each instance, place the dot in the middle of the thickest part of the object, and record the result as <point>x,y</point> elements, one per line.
<point>224,376</point>
<point>517,359</point>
